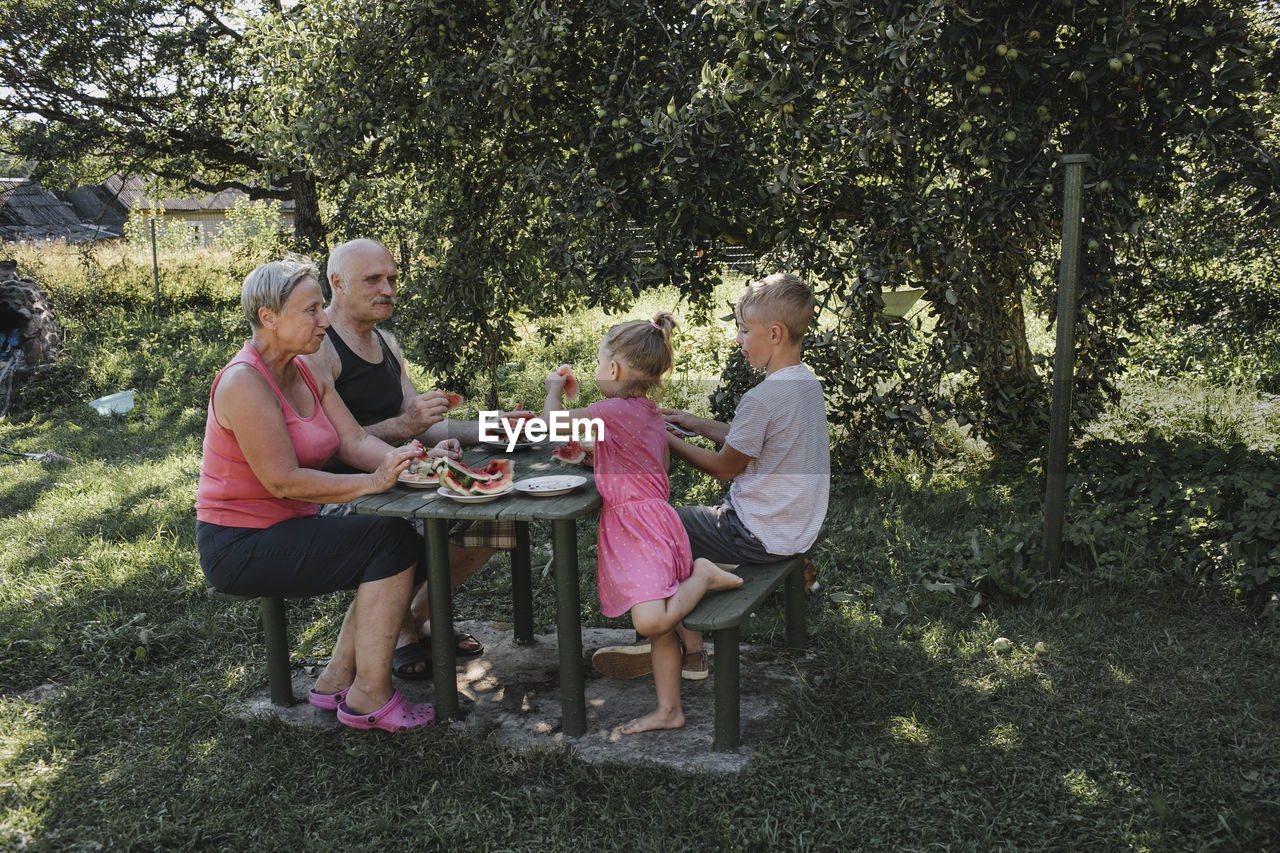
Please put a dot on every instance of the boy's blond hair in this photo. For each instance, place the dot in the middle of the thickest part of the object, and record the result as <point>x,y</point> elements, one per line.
<point>780,298</point>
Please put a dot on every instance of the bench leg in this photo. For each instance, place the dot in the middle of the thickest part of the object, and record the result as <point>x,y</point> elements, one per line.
<point>276,628</point>
<point>522,586</point>
<point>728,720</point>
<point>795,602</point>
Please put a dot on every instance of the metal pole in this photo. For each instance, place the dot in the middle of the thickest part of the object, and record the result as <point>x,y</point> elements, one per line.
<point>1063,364</point>
<point>155,263</point>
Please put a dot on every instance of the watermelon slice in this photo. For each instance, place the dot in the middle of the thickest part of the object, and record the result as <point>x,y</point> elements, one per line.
<point>455,400</point>
<point>515,422</point>
<point>570,382</point>
<point>458,477</point>
<point>496,486</point>
<point>572,453</point>
<point>498,468</point>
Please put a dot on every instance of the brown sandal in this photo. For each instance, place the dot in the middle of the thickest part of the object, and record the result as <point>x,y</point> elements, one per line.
<point>695,666</point>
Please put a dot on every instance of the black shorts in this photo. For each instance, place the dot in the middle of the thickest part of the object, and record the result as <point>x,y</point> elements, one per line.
<point>302,557</point>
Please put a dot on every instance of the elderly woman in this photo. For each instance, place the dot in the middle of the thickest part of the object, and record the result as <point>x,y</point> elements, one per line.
<point>270,429</point>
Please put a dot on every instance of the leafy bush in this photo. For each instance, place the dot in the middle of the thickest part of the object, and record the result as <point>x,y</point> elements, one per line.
<point>169,234</point>
<point>254,230</point>
<point>1222,331</point>
<point>1203,513</point>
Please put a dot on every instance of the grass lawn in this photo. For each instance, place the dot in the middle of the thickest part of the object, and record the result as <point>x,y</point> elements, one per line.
<point>1138,707</point>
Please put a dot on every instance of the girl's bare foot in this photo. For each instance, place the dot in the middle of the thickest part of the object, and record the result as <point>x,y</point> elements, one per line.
<point>658,720</point>
<point>717,578</point>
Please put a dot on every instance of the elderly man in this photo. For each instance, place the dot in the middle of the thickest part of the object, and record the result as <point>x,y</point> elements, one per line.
<point>368,370</point>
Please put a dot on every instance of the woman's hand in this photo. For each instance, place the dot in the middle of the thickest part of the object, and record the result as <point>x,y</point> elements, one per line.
<point>450,448</point>
<point>393,464</point>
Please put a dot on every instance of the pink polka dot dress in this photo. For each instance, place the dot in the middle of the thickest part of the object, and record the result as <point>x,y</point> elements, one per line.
<point>643,551</point>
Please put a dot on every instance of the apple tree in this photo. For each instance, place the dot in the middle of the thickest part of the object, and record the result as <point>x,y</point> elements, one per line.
<point>524,156</point>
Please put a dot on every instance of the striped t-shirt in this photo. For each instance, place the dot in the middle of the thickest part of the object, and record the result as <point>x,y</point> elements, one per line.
<point>781,496</point>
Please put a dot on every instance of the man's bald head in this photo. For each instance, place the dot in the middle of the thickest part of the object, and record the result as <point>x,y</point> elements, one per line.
<point>346,260</point>
<point>362,275</point>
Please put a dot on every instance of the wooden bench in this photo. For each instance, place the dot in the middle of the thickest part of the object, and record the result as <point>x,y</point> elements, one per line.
<point>275,625</point>
<point>721,613</point>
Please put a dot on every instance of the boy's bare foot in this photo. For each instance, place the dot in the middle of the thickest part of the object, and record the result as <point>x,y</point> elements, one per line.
<point>717,578</point>
<point>658,720</point>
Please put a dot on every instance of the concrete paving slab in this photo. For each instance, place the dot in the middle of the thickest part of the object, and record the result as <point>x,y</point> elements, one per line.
<point>511,694</point>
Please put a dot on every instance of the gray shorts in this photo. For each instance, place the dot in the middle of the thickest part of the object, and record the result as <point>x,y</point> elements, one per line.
<point>716,532</point>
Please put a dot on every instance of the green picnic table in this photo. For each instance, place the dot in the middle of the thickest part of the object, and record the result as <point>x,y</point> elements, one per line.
<point>563,510</point>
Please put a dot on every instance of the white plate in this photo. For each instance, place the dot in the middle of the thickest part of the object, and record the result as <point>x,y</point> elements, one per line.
<point>468,499</point>
<point>548,486</point>
<point>414,483</point>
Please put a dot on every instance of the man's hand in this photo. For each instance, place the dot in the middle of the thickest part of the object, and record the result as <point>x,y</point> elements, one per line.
<point>423,411</point>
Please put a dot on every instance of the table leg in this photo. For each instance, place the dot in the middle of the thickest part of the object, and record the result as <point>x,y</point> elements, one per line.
<point>522,586</point>
<point>443,663</point>
<point>573,703</point>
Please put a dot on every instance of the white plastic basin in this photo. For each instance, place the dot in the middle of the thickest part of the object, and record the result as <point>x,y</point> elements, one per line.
<point>113,404</point>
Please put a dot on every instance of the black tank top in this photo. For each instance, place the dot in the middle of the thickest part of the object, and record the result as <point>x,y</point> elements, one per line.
<point>371,391</point>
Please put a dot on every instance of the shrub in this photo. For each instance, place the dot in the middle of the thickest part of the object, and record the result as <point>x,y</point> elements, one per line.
<point>1222,331</point>
<point>1203,513</point>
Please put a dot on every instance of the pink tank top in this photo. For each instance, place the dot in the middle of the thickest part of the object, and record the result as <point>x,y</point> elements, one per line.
<point>229,493</point>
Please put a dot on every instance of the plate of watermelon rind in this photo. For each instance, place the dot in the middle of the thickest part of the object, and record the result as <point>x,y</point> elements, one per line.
<point>548,486</point>
<point>419,481</point>
<point>446,492</point>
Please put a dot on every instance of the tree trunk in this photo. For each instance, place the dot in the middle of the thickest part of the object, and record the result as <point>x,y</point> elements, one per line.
<point>308,229</point>
<point>1012,390</point>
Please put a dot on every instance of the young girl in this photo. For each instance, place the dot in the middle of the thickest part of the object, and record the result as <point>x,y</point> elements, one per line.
<point>645,564</point>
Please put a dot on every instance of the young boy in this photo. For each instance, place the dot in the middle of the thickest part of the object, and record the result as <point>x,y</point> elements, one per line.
<point>777,452</point>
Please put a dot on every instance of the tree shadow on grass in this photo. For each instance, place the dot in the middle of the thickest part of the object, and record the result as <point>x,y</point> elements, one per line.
<point>16,497</point>
<point>1094,741</point>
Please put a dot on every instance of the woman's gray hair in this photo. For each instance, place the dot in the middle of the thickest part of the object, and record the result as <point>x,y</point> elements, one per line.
<point>269,286</point>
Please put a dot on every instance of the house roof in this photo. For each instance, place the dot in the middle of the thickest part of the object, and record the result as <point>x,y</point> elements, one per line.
<point>26,203</point>
<point>29,212</point>
<point>95,203</point>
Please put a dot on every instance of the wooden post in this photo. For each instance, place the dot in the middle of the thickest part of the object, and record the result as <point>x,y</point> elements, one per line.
<point>155,262</point>
<point>1063,364</point>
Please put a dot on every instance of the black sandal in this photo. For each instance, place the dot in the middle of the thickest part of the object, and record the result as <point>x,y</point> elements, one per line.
<point>406,658</point>
<point>465,645</point>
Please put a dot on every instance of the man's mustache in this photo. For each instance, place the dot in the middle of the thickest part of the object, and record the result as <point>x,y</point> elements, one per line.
<point>384,300</point>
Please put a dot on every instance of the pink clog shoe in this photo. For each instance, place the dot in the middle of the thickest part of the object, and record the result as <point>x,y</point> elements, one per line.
<point>395,716</point>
